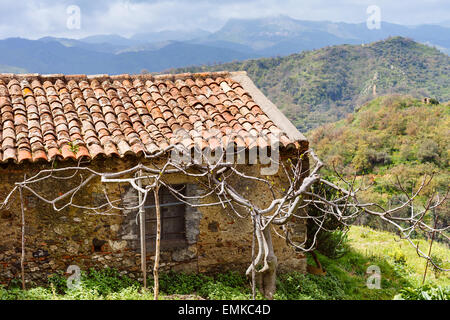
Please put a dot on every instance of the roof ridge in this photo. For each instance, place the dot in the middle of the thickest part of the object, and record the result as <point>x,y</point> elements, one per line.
<point>168,76</point>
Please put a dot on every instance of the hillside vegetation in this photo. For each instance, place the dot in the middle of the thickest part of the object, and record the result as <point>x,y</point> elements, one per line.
<point>321,86</point>
<point>391,136</point>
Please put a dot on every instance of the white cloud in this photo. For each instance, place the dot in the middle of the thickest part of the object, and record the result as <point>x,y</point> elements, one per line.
<point>37,18</point>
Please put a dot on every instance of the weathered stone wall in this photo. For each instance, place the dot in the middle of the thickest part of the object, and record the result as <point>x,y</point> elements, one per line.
<point>217,239</point>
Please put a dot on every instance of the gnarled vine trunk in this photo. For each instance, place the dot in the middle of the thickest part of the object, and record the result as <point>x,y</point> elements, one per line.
<point>264,267</point>
<point>267,281</point>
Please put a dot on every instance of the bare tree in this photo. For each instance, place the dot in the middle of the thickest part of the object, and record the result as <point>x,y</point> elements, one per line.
<point>216,179</point>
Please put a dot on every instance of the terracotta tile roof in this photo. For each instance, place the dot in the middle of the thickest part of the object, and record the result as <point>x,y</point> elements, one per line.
<point>74,116</point>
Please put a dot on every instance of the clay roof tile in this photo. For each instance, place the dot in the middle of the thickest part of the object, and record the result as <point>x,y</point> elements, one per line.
<point>43,117</point>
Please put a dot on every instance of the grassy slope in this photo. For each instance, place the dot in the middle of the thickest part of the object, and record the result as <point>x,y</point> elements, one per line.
<point>346,277</point>
<point>381,244</point>
<point>371,247</point>
<point>320,86</point>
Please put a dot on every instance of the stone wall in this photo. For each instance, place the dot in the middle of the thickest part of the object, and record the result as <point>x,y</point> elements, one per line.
<point>217,239</point>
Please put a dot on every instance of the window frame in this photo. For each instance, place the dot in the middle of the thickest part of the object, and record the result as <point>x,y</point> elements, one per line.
<point>167,242</point>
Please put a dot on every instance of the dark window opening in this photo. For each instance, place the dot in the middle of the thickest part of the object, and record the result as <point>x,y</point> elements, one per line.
<point>98,245</point>
<point>173,224</point>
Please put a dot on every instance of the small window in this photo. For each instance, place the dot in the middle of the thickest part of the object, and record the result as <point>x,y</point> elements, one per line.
<point>173,223</point>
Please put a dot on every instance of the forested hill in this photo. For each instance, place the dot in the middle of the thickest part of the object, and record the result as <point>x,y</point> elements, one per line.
<point>391,136</point>
<point>320,86</point>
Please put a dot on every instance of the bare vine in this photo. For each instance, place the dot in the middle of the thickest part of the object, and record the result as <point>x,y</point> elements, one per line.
<point>216,180</point>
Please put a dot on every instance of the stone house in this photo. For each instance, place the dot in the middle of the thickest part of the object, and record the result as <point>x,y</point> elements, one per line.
<point>109,122</point>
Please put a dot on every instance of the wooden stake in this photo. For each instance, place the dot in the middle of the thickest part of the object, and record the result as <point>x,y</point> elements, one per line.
<point>142,234</point>
<point>22,258</point>
<point>253,261</point>
<point>429,251</point>
<point>158,243</point>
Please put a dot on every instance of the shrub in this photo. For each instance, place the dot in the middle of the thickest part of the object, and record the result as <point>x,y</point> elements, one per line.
<point>58,281</point>
<point>222,291</point>
<point>82,293</point>
<point>426,292</point>
<point>181,283</point>
<point>227,286</point>
<point>32,294</point>
<point>428,151</point>
<point>105,281</point>
<point>131,293</point>
<point>7,294</point>
<point>297,286</point>
<point>399,257</point>
<point>333,244</point>
<point>381,158</point>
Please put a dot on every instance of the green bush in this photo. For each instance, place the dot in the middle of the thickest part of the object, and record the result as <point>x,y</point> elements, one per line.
<point>82,293</point>
<point>58,281</point>
<point>222,291</point>
<point>399,257</point>
<point>230,285</point>
<point>131,293</point>
<point>426,292</point>
<point>297,286</point>
<point>7,294</point>
<point>180,283</point>
<point>333,244</point>
<point>106,281</point>
<point>32,294</point>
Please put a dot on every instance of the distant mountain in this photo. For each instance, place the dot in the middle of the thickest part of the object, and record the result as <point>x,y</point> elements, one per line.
<point>167,35</point>
<point>97,47</point>
<point>445,23</point>
<point>283,35</point>
<point>9,69</point>
<point>320,86</point>
<point>238,40</point>
<point>111,39</point>
<point>148,46</point>
<point>48,56</point>
<point>176,53</point>
<point>227,45</point>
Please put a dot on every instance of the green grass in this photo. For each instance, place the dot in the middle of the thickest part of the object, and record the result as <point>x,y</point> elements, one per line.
<point>385,245</point>
<point>401,271</point>
<point>398,262</point>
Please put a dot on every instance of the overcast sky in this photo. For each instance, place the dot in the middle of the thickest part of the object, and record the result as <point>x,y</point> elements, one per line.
<point>37,18</point>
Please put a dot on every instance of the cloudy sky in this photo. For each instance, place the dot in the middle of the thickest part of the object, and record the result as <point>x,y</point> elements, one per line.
<point>36,18</point>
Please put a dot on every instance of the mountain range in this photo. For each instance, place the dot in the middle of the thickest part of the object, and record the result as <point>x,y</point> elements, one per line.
<point>238,39</point>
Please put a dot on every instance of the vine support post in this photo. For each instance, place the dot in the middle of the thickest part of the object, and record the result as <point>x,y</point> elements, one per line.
<point>142,232</point>
<point>22,257</point>
<point>158,243</point>
<point>431,245</point>
<point>253,260</point>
